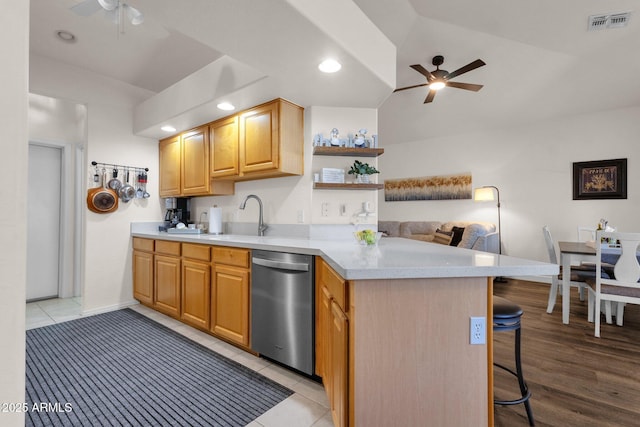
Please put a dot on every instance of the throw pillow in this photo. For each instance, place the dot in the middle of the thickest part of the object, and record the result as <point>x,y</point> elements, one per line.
<point>457,235</point>
<point>442,237</point>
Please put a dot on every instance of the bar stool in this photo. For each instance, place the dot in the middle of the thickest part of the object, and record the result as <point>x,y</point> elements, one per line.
<point>506,317</point>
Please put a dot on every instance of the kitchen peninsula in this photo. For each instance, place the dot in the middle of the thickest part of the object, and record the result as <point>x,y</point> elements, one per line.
<point>392,324</point>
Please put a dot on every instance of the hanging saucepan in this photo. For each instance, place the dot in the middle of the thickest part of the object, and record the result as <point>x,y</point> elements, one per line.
<point>127,192</point>
<point>102,199</point>
<point>114,183</point>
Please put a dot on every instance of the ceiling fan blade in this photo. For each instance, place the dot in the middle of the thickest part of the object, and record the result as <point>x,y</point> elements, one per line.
<point>410,87</point>
<point>86,8</point>
<point>430,96</point>
<point>419,68</point>
<point>465,86</point>
<point>471,66</point>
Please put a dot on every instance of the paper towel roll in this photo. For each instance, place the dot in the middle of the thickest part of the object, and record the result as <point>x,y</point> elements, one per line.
<point>215,220</point>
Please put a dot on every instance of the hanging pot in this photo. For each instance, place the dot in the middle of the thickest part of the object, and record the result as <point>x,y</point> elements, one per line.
<point>127,192</point>
<point>114,183</point>
<point>102,199</point>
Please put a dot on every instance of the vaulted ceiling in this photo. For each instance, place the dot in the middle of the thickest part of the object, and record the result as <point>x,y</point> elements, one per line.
<point>542,62</point>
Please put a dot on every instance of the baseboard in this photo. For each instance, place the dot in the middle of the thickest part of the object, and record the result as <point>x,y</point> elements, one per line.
<point>109,308</point>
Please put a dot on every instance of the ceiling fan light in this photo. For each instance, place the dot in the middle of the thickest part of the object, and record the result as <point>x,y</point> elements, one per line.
<point>437,85</point>
<point>108,4</point>
<point>135,16</point>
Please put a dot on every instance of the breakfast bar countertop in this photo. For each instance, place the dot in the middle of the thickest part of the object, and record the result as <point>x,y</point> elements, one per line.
<point>391,258</point>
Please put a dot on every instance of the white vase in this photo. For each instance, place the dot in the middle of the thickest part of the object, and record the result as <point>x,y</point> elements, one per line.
<point>362,179</point>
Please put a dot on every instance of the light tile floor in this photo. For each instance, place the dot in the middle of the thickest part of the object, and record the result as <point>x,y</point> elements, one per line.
<point>307,407</point>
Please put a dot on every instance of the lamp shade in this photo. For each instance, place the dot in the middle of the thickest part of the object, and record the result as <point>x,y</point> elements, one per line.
<point>484,194</point>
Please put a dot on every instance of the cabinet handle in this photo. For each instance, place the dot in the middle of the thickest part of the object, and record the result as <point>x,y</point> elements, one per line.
<point>297,266</point>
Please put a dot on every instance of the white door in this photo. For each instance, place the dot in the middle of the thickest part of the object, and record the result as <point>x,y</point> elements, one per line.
<point>43,222</point>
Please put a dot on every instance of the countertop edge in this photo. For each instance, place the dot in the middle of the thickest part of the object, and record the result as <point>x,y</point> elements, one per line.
<point>335,254</point>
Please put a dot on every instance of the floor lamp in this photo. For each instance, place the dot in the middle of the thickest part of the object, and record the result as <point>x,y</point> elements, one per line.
<point>486,194</point>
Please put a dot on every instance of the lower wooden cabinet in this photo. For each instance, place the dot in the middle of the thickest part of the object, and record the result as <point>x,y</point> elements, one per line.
<point>206,286</point>
<point>332,341</point>
<point>143,277</point>
<point>339,365</point>
<point>196,288</point>
<point>167,280</point>
<point>230,303</point>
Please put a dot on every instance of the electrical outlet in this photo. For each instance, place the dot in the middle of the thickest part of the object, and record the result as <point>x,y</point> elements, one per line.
<point>477,330</point>
<point>325,209</point>
<point>300,216</point>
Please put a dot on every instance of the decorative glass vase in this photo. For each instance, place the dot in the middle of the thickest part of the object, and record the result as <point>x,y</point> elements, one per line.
<point>362,179</point>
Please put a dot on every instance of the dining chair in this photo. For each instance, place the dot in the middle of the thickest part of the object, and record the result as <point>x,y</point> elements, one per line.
<point>623,286</point>
<point>578,273</point>
<point>586,234</point>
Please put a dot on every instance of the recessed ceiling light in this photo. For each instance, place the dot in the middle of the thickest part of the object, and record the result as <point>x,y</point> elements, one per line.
<point>226,106</point>
<point>329,66</point>
<point>168,128</point>
<point>66,36</point>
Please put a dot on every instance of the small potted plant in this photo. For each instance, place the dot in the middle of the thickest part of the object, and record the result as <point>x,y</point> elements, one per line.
<point>362,171</point>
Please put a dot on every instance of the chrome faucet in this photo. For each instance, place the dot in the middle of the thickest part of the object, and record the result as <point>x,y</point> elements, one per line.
<point>261,225</point>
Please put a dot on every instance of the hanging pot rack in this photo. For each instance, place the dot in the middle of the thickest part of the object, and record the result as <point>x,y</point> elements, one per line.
<point>119,167</point>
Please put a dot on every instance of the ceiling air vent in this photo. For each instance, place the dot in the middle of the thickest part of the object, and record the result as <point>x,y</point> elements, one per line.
<point>604,22</point>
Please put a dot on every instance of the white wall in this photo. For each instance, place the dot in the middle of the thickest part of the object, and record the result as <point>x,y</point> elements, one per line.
<point>283,198</point>
<point>110,139</point>
<point>14,45</point>
<point>532,167</point>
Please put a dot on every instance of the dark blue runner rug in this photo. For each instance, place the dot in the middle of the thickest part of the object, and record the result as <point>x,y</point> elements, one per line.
<point>123,369</point>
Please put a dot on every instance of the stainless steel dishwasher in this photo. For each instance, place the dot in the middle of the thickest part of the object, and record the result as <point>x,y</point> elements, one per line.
<point>282,308</point>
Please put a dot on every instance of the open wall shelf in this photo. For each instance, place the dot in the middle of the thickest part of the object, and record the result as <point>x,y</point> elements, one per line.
<point>331,186</point>
<point>347,151</point>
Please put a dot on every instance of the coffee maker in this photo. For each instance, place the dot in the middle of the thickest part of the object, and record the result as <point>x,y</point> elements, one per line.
<point>178,209</point>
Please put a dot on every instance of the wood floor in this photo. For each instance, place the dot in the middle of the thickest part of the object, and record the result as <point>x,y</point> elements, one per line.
<point>575,378</point>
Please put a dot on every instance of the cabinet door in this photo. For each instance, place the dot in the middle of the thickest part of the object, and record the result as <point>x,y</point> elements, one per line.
<point>195,162</point>
<point>223,140</point>
<point>259,138</point>
<point>230,303</point>
<point>339,365</point>
<point>143,277</point>
<point>167,284</point>
<point>196,286</point>
<point>170,159</point>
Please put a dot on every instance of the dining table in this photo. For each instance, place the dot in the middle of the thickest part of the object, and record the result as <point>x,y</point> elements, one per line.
<point>568,252</point>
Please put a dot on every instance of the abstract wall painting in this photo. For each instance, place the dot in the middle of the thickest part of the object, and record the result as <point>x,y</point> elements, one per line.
<point>440,187</point>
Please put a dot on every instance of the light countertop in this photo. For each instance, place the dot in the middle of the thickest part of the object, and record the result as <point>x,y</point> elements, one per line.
<point>392,258</point>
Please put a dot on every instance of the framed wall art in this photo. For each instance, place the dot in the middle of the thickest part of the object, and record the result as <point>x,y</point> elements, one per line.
<point>601,179</point>
<point>446,187</point>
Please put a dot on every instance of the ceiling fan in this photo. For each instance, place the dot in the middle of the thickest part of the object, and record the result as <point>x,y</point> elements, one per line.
<point>439,79</point>
<point>114,10</point>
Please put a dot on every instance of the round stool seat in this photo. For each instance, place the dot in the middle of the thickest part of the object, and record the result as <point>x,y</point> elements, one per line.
<point>505,309</point>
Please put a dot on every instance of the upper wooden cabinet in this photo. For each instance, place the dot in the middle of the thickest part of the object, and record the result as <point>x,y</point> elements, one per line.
<point>266,141</point>
<point>223,139</point>
<point>170,159</point>
<point>195,162</point>
<point>184,166</point>
<point>271,140</point>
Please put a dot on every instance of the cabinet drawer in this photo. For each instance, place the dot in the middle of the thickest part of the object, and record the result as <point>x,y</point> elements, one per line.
<point>143,244</point>
<point>199,252</point>
<point>334,283</point>
<point>166,247</point>
<point>231,256</point>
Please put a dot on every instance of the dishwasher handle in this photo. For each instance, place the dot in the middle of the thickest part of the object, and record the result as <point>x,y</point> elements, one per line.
<point>283,265</point>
